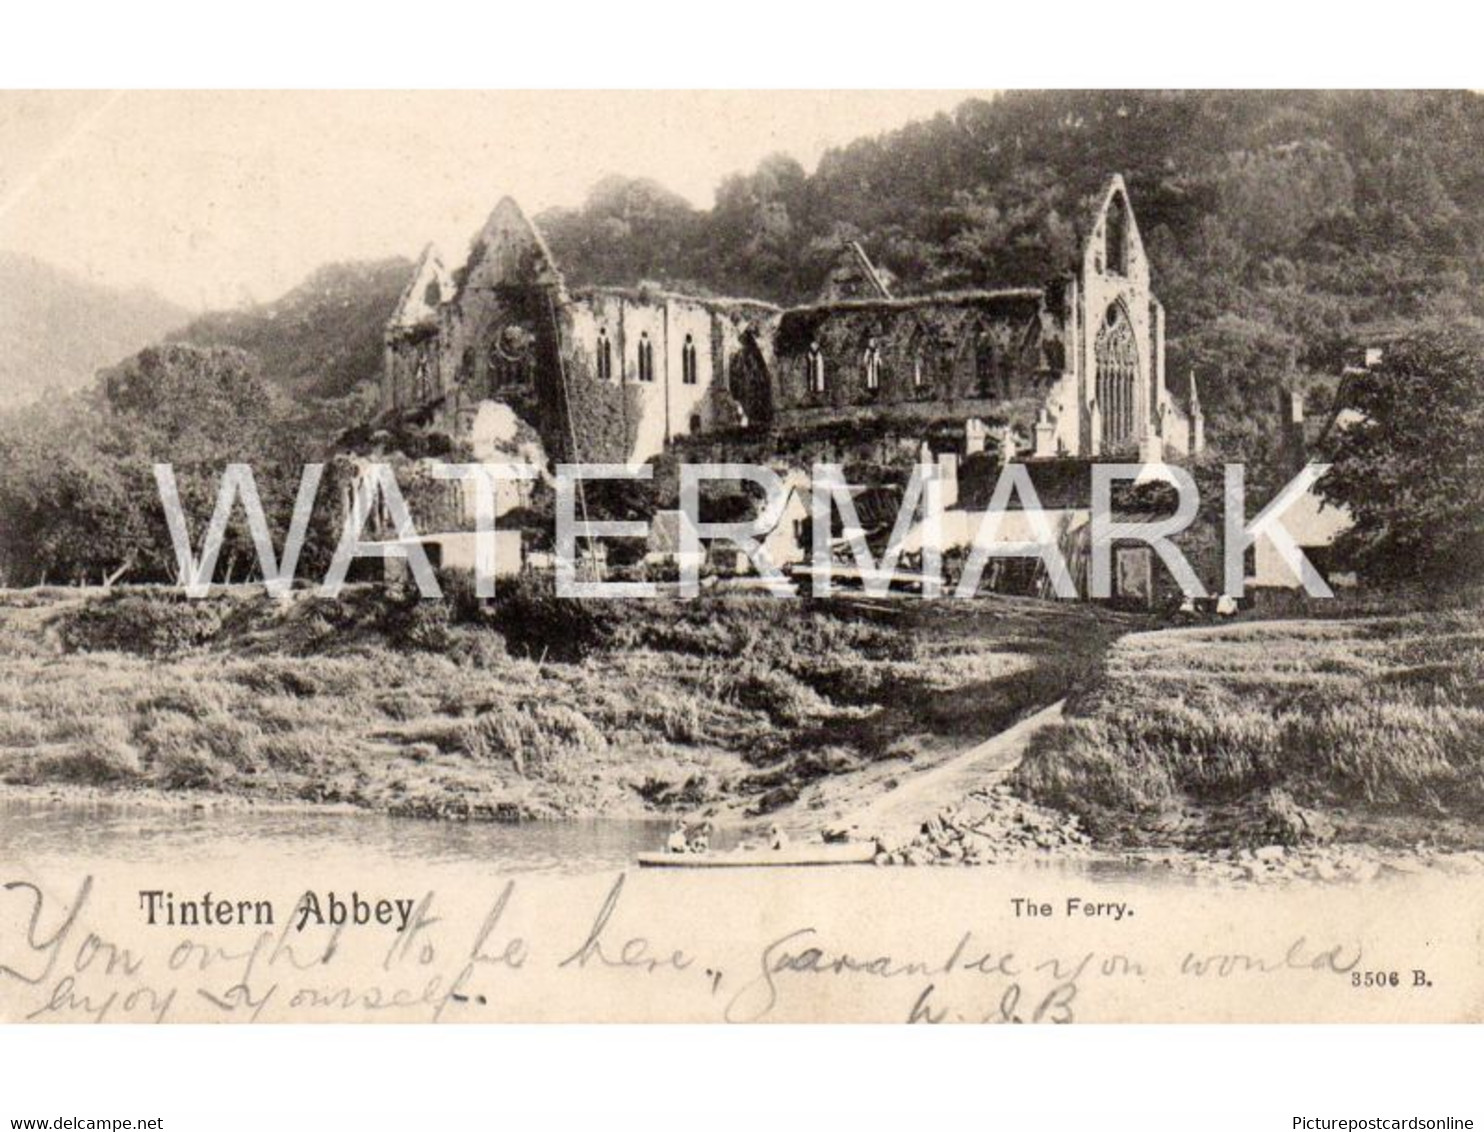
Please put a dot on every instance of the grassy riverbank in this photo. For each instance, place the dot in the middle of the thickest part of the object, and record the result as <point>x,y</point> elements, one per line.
<point>534,708</point>
<point>1195,736</point>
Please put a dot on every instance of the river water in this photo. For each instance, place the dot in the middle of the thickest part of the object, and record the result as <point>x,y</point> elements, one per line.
<point>483,888</point>
<point>79,835</point>
<point>76,833</point>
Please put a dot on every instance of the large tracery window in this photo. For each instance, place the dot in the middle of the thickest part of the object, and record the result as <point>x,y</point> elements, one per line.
<point>1117,356</point>
<point>510,358</point>
<point>506,372</point>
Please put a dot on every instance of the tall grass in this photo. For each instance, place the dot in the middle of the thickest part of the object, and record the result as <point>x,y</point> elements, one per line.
<point>1380,713</point>
<point>533,705</point>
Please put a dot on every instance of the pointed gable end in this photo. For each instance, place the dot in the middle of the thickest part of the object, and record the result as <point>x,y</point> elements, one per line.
<point>430,286</point>
<point>854,276</point>
<point>1112,245</point>
<point>509,252</point>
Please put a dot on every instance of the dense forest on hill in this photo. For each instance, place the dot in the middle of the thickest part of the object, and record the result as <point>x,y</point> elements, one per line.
<point>320,341</point>
<point>1370,200</point>
<point>1281,225</point>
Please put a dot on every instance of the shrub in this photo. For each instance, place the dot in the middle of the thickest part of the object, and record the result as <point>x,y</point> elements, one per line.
<point>778,695</point>
<point>419,623</point>
<point>478,648</point>
<point>160,732</point>
<point>306,677</point>
<point>532,736</point>
<point>188,770</point>
<point>402,705</point>
<point>465,607</point>
<point>221,739</point>
<point>677,719</point>
<point>190,699</point>
<point>149,625</point>
<point>232,741</point>
<point>318,752</point>
<point>680,722</point>
<point>267,678</point>
<point>102,763</point>
<point>847,680</point>
<point>18,729</point>
<point>1080,767</point>
<point>537,623</point>
<point>85,730</point>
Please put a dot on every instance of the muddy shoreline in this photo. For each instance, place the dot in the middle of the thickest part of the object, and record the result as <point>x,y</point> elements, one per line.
<point>1022,836</point>
<point>150,798</point>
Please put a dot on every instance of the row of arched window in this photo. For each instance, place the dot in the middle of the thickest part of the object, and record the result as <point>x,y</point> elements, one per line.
<point>644,358</point>
<point>988,369</point>
<point>1116,357</point>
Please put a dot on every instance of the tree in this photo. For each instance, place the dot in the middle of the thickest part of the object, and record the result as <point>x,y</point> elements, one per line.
<point>1408,458</point>
<point>1242,366</point>
<point>1015,232</point>
<point>79,502</point>
<point>755,233</point>
<point>628,230</point>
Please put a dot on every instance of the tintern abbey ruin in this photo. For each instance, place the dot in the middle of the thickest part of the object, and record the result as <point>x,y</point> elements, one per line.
<point>502,358</point>
<point>1073,368</point>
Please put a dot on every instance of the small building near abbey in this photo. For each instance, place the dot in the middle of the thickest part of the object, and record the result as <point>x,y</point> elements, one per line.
<point>1073,368</point>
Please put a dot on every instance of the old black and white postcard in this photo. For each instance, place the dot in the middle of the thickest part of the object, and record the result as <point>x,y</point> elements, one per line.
<point>1016,559</point>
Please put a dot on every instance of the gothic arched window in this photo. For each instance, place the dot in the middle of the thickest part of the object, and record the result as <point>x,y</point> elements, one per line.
<point>604,355</point>
<point>1117,357</point>
<point>985,376</point>
<point>688,361</point>
<point>871,365</point>
<point>646,358</point>
<point>816,369</point>
<point>510,358</point>
<point>918,353</point>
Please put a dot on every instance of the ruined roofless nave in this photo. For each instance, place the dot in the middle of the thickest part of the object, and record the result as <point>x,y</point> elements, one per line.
<point>1074,367</point>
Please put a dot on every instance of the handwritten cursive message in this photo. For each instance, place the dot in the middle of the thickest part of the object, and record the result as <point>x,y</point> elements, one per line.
<point>518,954</point>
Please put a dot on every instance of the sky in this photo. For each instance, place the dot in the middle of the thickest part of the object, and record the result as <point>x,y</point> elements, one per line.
<point>216,198</point>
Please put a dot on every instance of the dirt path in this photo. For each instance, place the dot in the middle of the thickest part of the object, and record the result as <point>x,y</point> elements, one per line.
<point>924,795</point>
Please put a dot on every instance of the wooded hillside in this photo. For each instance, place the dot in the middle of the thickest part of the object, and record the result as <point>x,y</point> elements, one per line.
<point>1281,225</point>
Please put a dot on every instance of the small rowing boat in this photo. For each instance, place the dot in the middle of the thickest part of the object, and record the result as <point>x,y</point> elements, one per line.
<point>793,856</point>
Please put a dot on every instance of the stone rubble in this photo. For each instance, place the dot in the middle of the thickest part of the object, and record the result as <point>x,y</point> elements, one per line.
<point>992,826</point>
<point>1331,864</point>
<point>989,826</point>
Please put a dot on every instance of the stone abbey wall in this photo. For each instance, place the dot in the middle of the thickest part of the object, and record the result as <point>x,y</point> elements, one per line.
<point>682,362</point>
<point>974,354</point>
<point>618,374</point>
